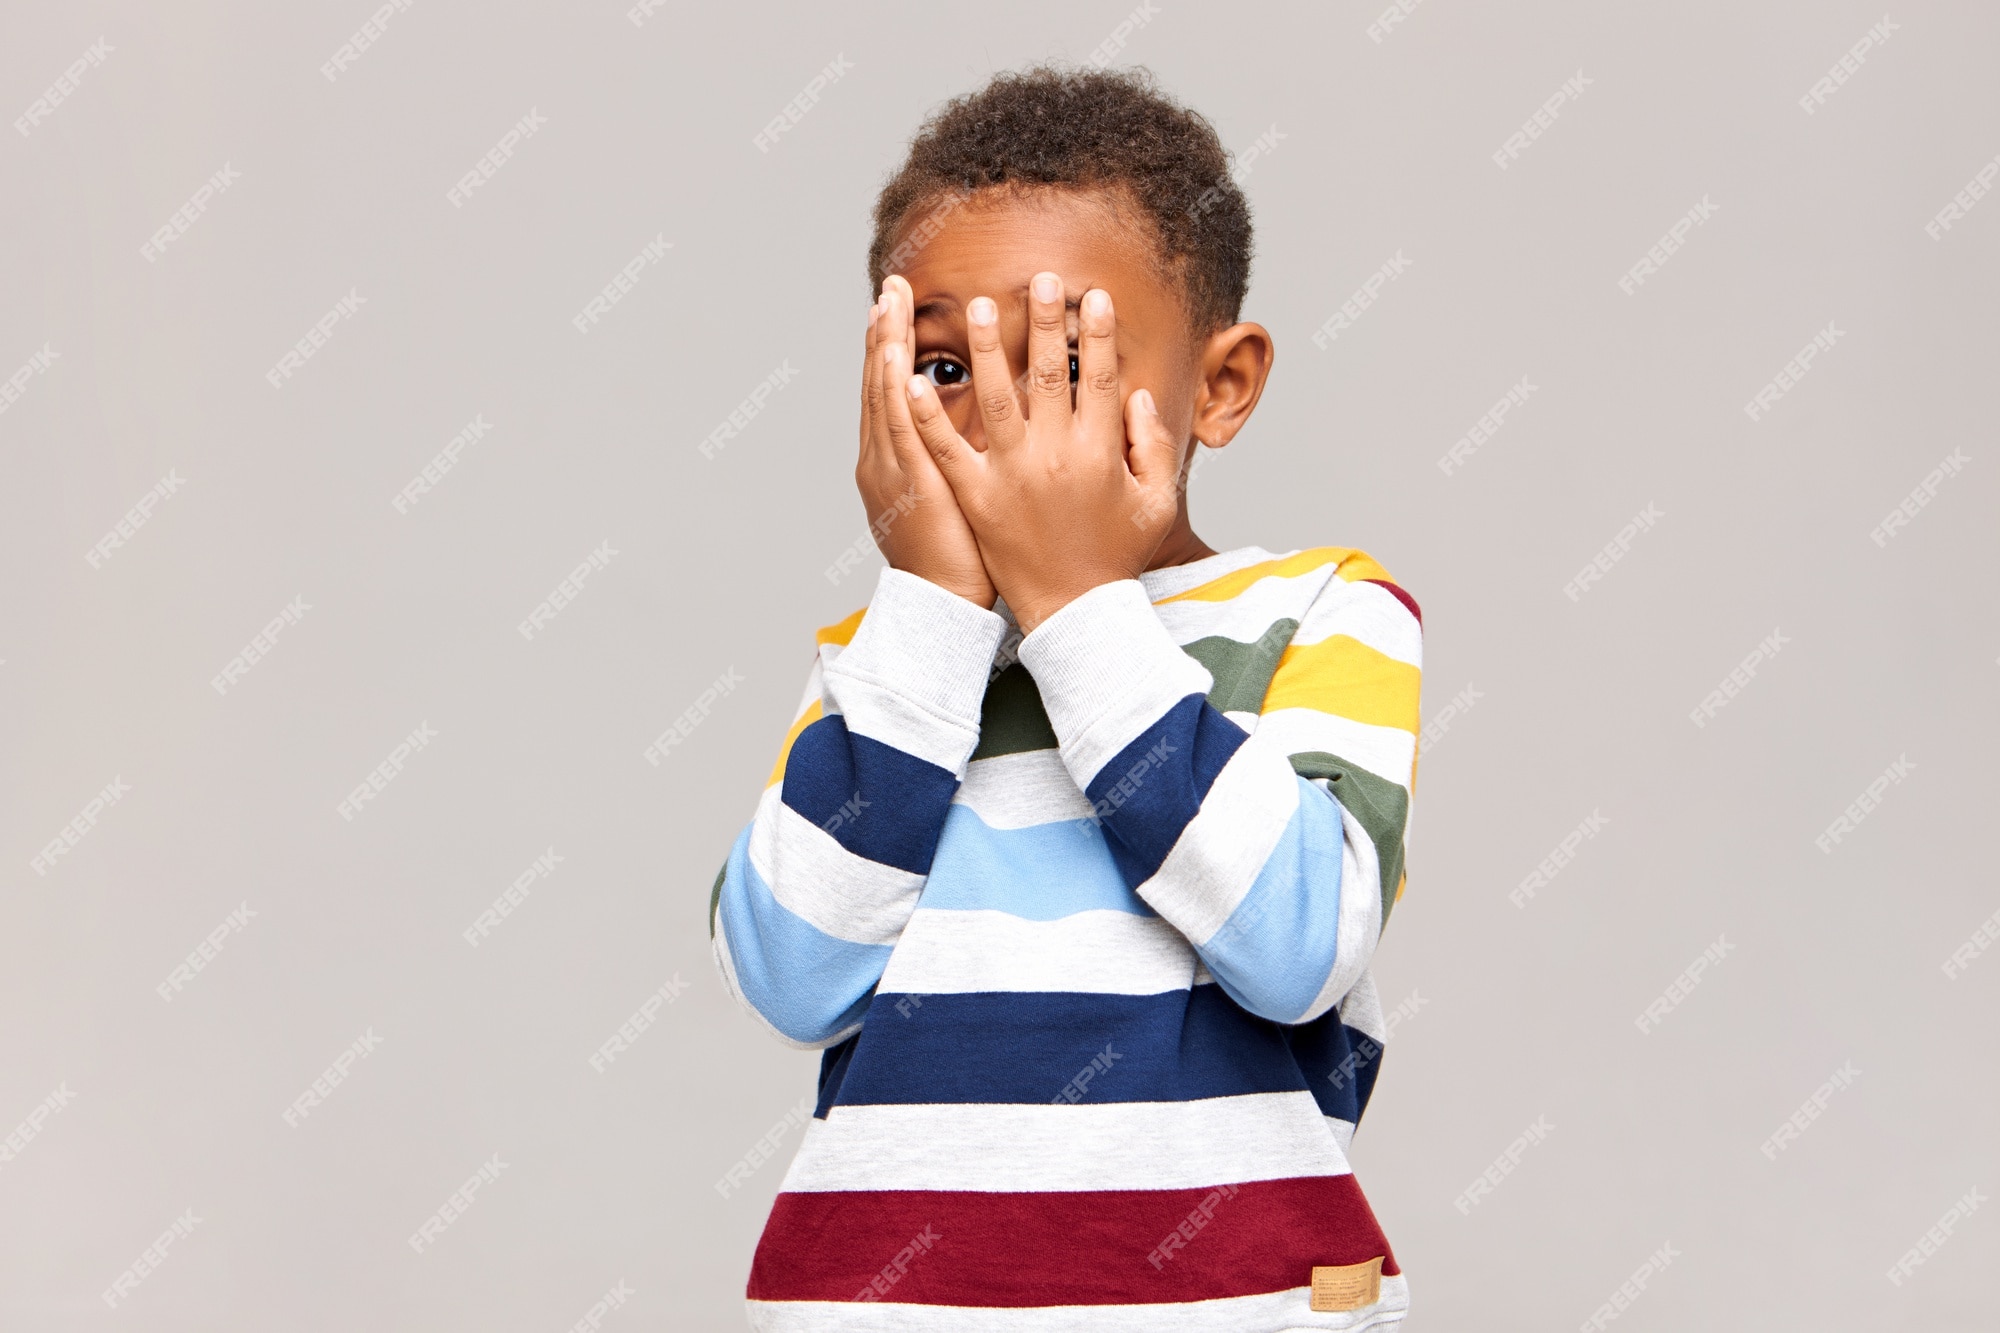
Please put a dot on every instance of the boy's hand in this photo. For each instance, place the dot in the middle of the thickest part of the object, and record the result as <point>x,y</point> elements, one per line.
<point>912,512</point>
<point>1066,499</point>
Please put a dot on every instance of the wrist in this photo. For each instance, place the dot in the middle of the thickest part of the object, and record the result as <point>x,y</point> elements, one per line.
<point>1038,604</point>
<point>973,586</point>
<point>1030,614</point>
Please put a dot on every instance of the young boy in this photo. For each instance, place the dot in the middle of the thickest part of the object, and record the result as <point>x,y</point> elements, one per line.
<point>1078,849</point>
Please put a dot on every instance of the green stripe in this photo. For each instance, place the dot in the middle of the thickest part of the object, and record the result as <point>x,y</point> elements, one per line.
<point>1382,807</point>
<point>1242,671</point>
<point>1012,719</point>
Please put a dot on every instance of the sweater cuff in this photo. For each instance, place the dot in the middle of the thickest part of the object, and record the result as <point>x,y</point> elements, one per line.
<point>1107,670</point>
<point>926,645</point>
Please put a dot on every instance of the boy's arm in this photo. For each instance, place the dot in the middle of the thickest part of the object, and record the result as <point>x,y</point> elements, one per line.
<point>818,888</point>
<point>1277,852</point>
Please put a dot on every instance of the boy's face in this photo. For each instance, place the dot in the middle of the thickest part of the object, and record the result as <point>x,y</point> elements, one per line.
<point>994,243</point>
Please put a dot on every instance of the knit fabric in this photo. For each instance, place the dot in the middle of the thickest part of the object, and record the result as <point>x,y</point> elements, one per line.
<point>1083,923</point>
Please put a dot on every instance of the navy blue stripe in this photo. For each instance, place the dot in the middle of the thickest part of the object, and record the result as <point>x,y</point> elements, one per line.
<point>876,800</point>
<point>1149,790</point>
<point>1028,1046</point>
<point>1339,1064</point>
<point>833,1062</point>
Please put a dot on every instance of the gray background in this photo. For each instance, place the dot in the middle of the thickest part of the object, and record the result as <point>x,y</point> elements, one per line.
<point>1581,705</point>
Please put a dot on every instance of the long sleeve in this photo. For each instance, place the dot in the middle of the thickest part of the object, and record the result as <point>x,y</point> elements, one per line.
<point>818,888</point>
<point>1275,845</point>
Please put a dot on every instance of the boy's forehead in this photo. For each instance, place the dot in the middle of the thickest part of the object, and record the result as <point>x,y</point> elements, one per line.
<point>992,247</point>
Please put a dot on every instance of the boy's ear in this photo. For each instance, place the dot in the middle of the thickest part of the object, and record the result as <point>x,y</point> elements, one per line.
<point>1235,362</point>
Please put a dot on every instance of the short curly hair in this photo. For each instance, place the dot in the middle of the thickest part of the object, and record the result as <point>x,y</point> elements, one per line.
<point>1083,129</point>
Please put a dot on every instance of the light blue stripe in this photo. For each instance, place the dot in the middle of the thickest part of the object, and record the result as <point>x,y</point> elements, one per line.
<point>806,983</point>
<point>1041,873</point>
<point>1276,950</point>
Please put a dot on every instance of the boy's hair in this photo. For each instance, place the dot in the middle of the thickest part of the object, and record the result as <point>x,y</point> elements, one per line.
<point>1084,129</point>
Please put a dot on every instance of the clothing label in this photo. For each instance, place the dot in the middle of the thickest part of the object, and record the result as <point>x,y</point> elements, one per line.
<point>1347,1288</point>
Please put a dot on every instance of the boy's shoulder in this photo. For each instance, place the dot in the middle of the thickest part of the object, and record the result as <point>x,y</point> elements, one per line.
<point>1315,566</point>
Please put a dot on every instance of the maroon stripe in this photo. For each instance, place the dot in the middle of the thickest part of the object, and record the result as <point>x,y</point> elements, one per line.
<point>1400,596</point>
<point>1097,1247</point>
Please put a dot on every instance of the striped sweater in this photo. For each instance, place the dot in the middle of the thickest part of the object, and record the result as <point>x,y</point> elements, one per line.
<point>1082,922</point>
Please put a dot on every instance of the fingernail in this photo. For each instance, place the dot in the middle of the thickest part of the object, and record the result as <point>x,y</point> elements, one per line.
<point>1097,303</point>
<point>1144,397</point>
<point>916,386</point>
<point>982,311</point>
<point>1047,287</point>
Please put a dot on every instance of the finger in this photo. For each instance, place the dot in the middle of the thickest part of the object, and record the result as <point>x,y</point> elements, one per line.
<point>958,461</point>
<point>870,392</point>
<point>1048,349</point>
<point>1098,408</point>
<point>898,433</point>
<point>992,378</point>
<point>1151,452</point>
<point>901,302</point>
<point>892,328</point>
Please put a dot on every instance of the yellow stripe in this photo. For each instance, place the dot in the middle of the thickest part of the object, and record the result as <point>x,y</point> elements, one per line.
<point>1349,564</point>
<point>842,633</point>
<point>806,719</point>
<point>1358,565</point>
<point>1345,677</point>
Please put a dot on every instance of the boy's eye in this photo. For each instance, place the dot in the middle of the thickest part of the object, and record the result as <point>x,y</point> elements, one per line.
<point>943,371</point>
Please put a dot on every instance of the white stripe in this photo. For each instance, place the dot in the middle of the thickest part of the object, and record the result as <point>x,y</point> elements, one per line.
<point>1284,1311</point>
<point>1343,1133</point>
<point>1387,752</point>
<point>1361,1008</point>
<point>1367,612</point>
<point>1099,951</point>
<point>810,874</point>
<point>1021,790</point>
<point>1360,913</point>
<point>1011,1147</point>
<point>1226,844</point>
<point>1249,614</point>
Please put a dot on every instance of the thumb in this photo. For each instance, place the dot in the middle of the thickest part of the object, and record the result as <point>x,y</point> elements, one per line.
<point>952,456</point>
